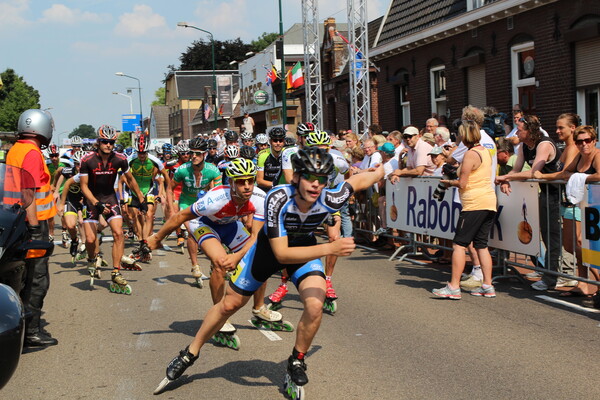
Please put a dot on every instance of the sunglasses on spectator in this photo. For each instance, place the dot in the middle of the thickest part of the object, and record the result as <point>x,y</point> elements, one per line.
<point>212,148</point>
<point>54,155</point>
<point>580,142</point>
<point>107,141</point>
<point>196,153</point>
<point>523,120</point>
<point>312,177</point>
<point>406,137</point>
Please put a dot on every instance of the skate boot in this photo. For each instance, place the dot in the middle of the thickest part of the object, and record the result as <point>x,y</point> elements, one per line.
<point>119,284</point>
<point>73,250</point>
<point>295,378</point>
<point>330,304</point>
<point>93,270</point>
<point>65,238</point>
<point>227,337</point>
<point>277,296</point>
<point>180,243</point>
<point>198,276</point>
<point>176,368</point>
<point>81,252</point>
<point>268,319</point>
<point>130,234</point>
<point>130,264</point>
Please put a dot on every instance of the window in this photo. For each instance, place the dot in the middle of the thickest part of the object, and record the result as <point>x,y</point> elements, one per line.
<point>523,76</point>
<point>476,91</point>
<point>253,74</point>
<point>403,104</point>
<point>437,75</point>
<point>587,81</point>
<point>473,4</point>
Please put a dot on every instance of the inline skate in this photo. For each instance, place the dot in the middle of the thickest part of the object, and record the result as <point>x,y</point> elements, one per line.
<point>73,250</point>
<point>268,319</point>
<point>130,264</point>
<point>65,238</point>
<point>227,337</point>
<point>118,284</point>
<point>181,242</point>
<point>277,296</point>
<point>330,304</point>
<point>198,276</point>
<point>176,368</point>
<point>142,253</point>
<point>295,378</point>
<point>93,267</point>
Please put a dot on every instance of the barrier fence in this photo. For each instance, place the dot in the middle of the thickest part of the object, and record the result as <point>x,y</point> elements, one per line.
<point>534,228</point>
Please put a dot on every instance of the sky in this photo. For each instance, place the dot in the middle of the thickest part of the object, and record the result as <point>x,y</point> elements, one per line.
<point>70,50</point>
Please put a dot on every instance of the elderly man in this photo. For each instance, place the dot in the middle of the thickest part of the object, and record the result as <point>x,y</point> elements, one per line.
<point>431,125</point>
<point>418,161</point>
<point>372,157</point>
<point>442,136</point>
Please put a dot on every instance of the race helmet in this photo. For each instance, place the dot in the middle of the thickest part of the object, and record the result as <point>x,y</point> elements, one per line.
<point>158,149</point>
<point>318,138</point>
<point>246,136</point>
<point>129,151</point>
<point>141,143</point>
<point>183,147</point>
<point>261,138</point>
<point>87,146</point>
<point>289,141</point>
<point>77,156</point>
<point>241,167</point>
<point>313,160</point>
<point>231,136</point>
<point>76,141</point>
<point>247,152</point>
<point>107,132</point>
<point>167,148</point>
<point>232,151</point>
<point>212,144</point>
<point>119,148</point>
<point>36,123</point>
<point>53,149</point>
<point>304,128</point>
<point>277,133</point>
<point>198,143</point>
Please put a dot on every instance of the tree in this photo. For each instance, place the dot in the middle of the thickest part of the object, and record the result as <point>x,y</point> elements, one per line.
<point>84,131</point>
<point>198,56</point>
<point>263,41</point>
<point>125,139</point>
<point>16,96</point>
<point>160,95</point>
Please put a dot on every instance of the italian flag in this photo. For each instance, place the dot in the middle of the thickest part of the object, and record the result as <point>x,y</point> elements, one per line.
<point>295,79</point>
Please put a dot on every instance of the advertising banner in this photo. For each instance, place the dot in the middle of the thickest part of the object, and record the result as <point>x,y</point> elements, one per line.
<point>225,95</point>
<point>410,207</point>
<point>130,122</point>
<point>590,226</point>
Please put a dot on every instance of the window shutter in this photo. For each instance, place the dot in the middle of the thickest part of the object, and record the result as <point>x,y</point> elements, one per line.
<point>476,90</point>
<point>587,59</point>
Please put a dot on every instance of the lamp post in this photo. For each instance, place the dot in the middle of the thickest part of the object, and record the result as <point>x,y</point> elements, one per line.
<point>283,84</point>
<point>212,45</point>
<point>139,92</point>
<point>130,101</point>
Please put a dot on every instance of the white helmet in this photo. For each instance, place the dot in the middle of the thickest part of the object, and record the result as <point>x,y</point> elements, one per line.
<point>261,138</point>
<point>232,151</point>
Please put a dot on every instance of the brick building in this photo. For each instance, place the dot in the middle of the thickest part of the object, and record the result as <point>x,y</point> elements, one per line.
<point>437,56</point>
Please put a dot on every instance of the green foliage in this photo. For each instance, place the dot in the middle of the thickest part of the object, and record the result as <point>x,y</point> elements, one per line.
<point>84,131</point>
<point>199,57</point>
<point>16,96</point>
<point>263,41</point>
<point>160,95</point>
<point>125,139</point>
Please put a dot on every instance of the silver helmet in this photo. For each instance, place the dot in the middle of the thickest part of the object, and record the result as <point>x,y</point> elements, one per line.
<point>38,123</point>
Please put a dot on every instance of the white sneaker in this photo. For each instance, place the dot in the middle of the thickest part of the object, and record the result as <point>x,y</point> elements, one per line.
<point>539,285</point>
<point>533,275</point>
<point>471,283</point>
<point>564,282</point>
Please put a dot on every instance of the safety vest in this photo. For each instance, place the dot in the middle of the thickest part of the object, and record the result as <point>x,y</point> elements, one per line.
<point>43,195</point>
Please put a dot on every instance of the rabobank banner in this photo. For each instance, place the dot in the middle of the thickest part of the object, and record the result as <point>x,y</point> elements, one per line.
<point>590,235</point>
<point>411,207</point>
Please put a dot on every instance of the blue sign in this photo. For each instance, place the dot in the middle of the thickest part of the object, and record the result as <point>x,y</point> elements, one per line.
<point>130,122</point>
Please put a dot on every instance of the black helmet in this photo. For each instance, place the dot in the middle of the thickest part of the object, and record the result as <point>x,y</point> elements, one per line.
<point>198,143</point>
<point>313,160</point>
<point>212,143</point>
<point>12,325</point>
<point>231,136</point>
<point>247,152</point>
<point>290,141</point>
<point>277,133</point>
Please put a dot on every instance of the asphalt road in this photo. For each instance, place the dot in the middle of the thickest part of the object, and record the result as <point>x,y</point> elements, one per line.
<point>389,340</point>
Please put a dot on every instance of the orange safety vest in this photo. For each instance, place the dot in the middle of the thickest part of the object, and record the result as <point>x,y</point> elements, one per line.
<point>43,195</point>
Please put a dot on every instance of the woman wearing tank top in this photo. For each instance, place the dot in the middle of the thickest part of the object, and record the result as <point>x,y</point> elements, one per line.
<point>478,199</point>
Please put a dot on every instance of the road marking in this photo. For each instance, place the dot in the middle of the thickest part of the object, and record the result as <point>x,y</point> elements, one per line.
<point>167,248</point>
<point>160,252</point>
<point>272,336</point>
<point>143,341</point>
<point>163,264</point>
<point>567,304</point>
<point>156,305</point>
<point>161,281</point>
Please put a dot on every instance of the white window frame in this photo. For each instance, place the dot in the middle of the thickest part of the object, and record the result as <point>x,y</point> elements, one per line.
<point>473,4</point>
<point>581,103</point>
<point>432,79</point>
<point>516,82</point>
<point>404,105</point>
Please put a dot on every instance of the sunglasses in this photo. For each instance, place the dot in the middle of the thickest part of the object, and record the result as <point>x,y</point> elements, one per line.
<point>54,155</point>
<point>312,177</point>
<point>212,148</point>
<point>244,180</point>
<point>278,140</point>
<point>196,153</point>
<point>406,137</point>
<point>580,142</point>
<point>523,120</point>
<point>107,141</point>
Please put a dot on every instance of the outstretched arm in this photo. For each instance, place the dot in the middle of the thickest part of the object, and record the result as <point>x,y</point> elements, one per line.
<point>366,179</point>
<point>172,223</point>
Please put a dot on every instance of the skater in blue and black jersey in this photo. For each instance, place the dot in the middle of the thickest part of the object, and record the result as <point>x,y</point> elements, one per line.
<point>293,213</point>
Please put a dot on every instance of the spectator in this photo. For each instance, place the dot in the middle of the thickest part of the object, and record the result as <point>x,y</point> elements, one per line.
<point>478,200</point>
<point>390,164</point>
<point>352,142</point>
<point>372,157</point>
<point>395,138</point>
<point>442,136</point>
<point>428,138</point>
<point>431,125</point>
<point>248,123</point>
<point>438,159</point>
<point>379,140</point>
<point>418,161</point>
<point>374,129</point>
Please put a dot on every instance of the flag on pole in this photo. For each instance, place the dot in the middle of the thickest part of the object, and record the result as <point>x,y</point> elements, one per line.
<point>207,111</point>
<point>358,58</point>
<point>295,78</point>
<point>221,108</point>
<point>272,74</point>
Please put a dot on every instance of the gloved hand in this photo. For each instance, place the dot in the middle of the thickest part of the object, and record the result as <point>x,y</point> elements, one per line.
<point>35,231</point>
<point>99,208</point>
<point>143,207</point>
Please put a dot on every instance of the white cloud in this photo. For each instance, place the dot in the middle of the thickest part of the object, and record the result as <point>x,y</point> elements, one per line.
<point>59,13</point>
<point>227,20</point>
<point>11,13</point>
<point>140,22</point>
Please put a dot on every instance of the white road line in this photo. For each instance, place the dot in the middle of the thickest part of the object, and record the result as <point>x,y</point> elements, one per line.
<point>143,342</point>
<point>272,336</point>
<point>567,304</point>
<point>156,305</point>
<point>160,252</point>
<point>163,264</point>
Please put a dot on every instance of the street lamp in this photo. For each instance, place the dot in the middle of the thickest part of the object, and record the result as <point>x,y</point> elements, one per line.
<point>130,101</point>
<point>139,92</point>
<point>212,45</point>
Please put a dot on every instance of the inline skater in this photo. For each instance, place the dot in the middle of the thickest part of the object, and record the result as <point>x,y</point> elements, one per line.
<point>262,142</point>
<point>230,153</point>
<point>287,241</point>
<point>269,159</point>
<point>182,150</point>
<point>215,220</point>
<point>98,173</point>
<point>247,139</point>
<point>195,176</point>
<point>55,164</point>
<point>213,156</point>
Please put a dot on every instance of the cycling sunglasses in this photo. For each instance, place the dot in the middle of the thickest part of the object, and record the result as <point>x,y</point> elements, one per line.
<point>312,177</point>
<point>107,141</point>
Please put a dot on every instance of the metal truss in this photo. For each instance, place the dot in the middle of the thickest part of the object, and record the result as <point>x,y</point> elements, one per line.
<point>312,63</point>
<point>360,91</point>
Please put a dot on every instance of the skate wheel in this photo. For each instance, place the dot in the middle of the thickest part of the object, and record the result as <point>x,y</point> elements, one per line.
<point>91,282</point>
<point>127,289</point>
<point>233,342</point>
<point>287,326</point>
<point>161,386</point>
<point>274,306</point>
<point>199,282</point>
<point>256,323</point>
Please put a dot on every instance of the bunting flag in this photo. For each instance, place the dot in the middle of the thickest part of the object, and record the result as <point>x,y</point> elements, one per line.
<point>272,74</point>
<point>294,77</point>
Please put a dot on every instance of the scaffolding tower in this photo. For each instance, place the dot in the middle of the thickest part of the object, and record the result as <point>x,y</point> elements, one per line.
<point>312,63</point>
<point>360,91</point>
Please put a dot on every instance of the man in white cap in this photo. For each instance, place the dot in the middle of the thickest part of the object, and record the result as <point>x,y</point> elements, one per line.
<point>418,161</point>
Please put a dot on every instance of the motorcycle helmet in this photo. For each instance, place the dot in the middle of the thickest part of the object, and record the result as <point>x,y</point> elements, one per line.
<point>36,123</point>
